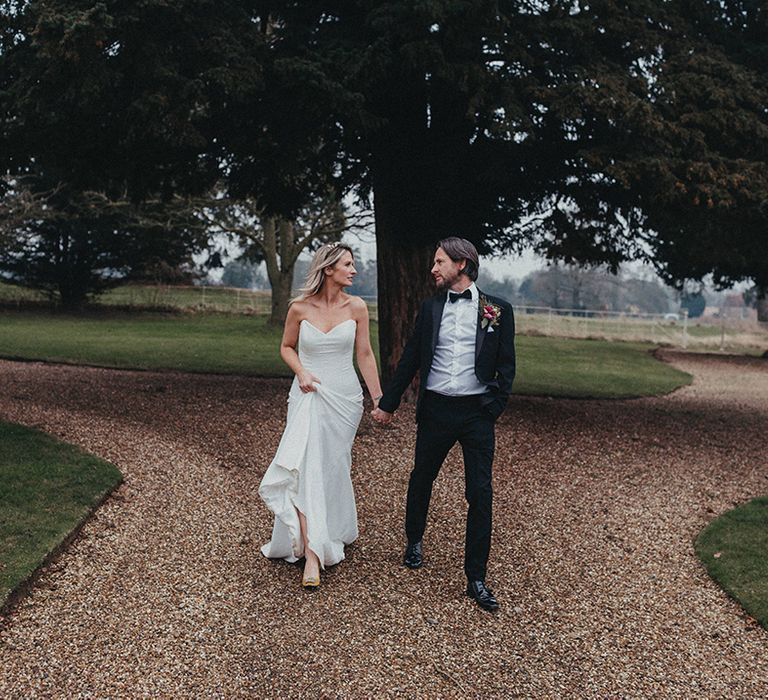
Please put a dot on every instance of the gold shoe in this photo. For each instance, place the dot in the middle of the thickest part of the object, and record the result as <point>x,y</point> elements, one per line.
<point>310,583</point>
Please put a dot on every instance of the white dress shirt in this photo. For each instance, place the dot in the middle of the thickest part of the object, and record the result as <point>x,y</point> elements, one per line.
<point>453,365</point>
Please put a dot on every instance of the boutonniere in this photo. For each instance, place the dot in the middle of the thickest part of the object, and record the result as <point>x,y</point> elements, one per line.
<point>489,313</point>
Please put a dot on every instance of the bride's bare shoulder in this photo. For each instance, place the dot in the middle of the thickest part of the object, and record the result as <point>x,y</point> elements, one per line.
<point>298,310</point>
<point>357,305</point>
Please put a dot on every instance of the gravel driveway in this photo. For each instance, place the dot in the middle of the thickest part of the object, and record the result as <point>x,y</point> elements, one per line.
<point>597,503</point>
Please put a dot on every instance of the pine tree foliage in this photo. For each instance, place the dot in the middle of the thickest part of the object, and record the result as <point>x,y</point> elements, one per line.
<point>104,104</point>
<point>595,131</point>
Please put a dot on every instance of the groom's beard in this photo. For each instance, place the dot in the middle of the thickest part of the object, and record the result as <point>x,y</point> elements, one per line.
<point>446,283</point>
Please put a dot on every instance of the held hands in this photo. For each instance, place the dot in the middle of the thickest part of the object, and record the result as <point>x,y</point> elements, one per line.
<point>381,416</point>
<point>307,381</point>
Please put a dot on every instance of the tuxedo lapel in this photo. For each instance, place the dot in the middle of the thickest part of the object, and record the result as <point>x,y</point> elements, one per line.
<point>480,335</point>
<point>437,316</point>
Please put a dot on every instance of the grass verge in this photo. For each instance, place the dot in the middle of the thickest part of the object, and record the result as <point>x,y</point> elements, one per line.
<point>247,345</point>
<point>732,548</point>
<point>47,490</point>
<point>218,343</point>
<point>599,369</point>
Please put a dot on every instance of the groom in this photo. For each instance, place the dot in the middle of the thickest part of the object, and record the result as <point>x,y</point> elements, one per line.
<point>463,347</point>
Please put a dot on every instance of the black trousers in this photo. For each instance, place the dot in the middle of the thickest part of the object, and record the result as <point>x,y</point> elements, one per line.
<point>443,421</point>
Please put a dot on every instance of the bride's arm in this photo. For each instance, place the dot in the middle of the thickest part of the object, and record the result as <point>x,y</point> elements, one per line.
<point>366,360</point>
<point>288,350</point>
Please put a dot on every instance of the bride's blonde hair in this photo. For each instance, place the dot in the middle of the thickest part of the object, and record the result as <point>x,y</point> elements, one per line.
<point>326,256</point>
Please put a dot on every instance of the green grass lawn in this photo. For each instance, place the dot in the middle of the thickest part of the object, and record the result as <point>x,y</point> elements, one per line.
<point>46,489</point>
<point>592,368</point>
<point>733,548</point>
<point>186,342</point>
<point>238,344</point>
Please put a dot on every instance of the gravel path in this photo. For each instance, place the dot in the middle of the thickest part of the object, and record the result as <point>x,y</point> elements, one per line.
<point>165,593</point>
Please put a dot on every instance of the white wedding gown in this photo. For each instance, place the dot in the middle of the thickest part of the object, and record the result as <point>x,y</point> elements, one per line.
<point>311,470</point>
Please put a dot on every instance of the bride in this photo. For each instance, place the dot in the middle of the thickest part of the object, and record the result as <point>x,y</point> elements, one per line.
<point>308,486</point>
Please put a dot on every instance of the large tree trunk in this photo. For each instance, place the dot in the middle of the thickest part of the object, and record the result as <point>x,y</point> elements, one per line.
<point>72,285</point>
<point>70,300</point>
<point>280,255</point>
<point>404,281</point>
<point>422,193</point>
<point>281,295</point>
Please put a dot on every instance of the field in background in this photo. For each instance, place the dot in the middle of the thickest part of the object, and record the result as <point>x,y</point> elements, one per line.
<point>248,345</point>
<point>185,298</point>
<point>724,334</point>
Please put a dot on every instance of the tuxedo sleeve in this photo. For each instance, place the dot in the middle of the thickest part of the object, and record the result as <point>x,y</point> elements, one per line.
<point>407,367</point>
<point>505,362</point>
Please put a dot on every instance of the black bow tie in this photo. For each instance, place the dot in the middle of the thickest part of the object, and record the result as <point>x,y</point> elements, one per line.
<point>466,294</point>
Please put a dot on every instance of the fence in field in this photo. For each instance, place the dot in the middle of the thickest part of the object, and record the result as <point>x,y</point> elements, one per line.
<point>668,329</point>
<point>721,332</point>
<point>202,298</point>
<point>191,298</point>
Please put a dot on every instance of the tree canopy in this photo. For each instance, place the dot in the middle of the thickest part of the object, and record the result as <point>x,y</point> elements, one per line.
<point>105,105</point>
<point>593,132</point>
<point>122,97</point>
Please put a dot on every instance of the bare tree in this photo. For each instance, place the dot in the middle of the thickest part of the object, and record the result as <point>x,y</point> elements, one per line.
<point>262,237</point>
<point>278,241</point>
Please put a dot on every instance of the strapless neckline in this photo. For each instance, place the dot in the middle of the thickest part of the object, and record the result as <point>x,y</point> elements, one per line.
<point>312,325</point>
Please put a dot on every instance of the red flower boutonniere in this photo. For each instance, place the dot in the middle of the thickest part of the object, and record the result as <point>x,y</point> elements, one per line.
<point>489,313</point>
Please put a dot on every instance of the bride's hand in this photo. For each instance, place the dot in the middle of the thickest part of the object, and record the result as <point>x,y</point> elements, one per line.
<point>381,416</point>
<point>307,381</point>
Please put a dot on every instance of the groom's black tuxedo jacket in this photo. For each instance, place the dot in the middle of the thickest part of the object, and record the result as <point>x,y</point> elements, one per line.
<point>494,356</point>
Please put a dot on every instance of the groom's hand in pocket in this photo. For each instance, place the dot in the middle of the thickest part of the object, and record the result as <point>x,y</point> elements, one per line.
<point>381,416</point>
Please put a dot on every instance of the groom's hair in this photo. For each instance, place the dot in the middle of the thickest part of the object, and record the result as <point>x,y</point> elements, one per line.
<point>461,249</point>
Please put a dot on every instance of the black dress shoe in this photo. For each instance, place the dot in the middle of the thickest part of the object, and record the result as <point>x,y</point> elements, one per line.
<point>482,595</point>
<point>412,557</point>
